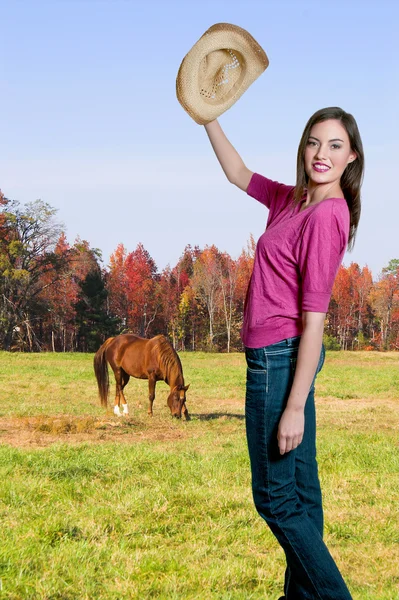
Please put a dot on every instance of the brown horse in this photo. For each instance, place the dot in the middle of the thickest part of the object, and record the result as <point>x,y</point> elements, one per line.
<point>132,356</point>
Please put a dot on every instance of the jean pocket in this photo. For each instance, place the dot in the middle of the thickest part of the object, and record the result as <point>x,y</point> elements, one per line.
<point>255,360</point>
<point>256,371</point>
<point>257,376</point>
<point>257,388</point>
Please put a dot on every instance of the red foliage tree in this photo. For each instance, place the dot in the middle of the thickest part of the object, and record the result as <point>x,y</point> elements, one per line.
<point>245,264</point>
<point>133,288</point>
<point>59,325</point>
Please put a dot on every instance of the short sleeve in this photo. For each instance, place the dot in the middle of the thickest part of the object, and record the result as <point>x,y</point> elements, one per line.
<point>322,247</point>
<point>267,191</point>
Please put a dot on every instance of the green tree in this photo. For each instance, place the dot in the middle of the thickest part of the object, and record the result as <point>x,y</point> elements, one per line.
<point>94,323</point>
<point>392,268</point>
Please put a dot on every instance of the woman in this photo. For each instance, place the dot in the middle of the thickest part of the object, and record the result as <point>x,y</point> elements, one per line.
<point>297,258</point>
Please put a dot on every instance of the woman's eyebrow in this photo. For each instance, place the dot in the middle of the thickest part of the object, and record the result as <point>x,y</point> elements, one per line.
<point>333,140</point>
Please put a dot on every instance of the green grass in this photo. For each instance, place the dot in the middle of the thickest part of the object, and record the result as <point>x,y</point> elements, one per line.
<point>95,507</point>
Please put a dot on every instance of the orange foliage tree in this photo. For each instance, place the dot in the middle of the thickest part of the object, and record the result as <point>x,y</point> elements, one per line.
<point>134,289</point>
<point>384,300</point>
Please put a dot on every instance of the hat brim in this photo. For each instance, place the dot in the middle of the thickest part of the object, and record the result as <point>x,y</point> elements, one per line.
<point>247,59</point>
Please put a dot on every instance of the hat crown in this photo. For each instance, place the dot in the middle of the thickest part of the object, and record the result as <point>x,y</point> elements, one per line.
<point>217,71</point>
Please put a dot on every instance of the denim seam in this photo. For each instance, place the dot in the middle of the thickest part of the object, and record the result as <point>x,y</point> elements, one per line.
<point>285,533</point>
<point>271,505</point>
<point>287,350</point>
<point>288,582</point>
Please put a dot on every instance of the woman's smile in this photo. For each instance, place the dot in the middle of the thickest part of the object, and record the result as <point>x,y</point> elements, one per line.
<point>320,167</point>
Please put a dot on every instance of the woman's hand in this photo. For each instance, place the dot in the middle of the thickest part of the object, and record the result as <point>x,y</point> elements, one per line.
<point>290,429</point>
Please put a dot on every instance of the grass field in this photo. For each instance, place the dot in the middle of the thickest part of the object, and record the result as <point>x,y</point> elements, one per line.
<point>97,507</point>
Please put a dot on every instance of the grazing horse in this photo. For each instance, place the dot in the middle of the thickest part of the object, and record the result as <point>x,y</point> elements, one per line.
<point>131,356</point>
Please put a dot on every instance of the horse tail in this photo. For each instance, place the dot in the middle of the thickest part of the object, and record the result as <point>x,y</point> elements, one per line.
<point>101,372</point>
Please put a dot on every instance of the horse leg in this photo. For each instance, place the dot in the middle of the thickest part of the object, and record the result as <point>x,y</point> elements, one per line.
<point>151,395</point>
<point>185,412</point>
<point>125,381</point>
<point>118,379</point>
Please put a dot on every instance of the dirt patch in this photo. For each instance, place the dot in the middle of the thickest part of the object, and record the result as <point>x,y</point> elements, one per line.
<point>41,431</point>
<point>44,431</point>
<point>357,403</point>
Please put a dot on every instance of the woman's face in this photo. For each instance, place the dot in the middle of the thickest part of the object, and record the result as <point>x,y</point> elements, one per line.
<point>327,152</point>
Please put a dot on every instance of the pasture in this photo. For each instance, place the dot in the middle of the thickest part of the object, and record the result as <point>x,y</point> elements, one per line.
<point>96,507</point>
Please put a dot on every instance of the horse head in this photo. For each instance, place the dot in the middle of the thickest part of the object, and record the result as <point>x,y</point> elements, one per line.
<point>176,399</point>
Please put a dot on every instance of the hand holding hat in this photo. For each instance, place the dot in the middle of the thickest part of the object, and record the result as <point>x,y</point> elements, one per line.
<point>217,71</point>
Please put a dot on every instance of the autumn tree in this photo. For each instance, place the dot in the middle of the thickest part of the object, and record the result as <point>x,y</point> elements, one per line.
<point>228,284</point>
<point>206,285</point>
<point>176,314</point>
<point>363,283</point>
<point>133,289</point>
<point>117,284</point>
<point>58,321</point>
<point>170,298</point>
<point>57,296</point>
<point>76,313</point>
<point>245,264</point>
<point>384,299</point>
<point>27,254</point>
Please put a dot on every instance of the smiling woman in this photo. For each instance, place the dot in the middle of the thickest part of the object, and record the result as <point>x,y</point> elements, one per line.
<point>326,158</point>
<point>330,162</point>
<point>309,227</point>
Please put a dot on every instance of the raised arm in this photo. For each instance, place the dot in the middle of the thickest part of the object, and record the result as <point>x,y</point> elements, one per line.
<point>230,161</point>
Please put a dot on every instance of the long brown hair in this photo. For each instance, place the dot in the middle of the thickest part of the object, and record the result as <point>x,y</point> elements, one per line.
<point>352,177</point>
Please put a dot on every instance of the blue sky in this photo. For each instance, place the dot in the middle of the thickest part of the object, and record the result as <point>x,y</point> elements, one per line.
<point>91,124</point>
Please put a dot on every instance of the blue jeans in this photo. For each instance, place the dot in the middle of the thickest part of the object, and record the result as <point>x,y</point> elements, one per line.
<point>286,488</point>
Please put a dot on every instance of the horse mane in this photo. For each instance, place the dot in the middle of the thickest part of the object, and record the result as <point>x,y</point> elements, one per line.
<point>168,357</point>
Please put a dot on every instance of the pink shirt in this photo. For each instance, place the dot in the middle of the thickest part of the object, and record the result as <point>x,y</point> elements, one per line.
<point>296,262</point>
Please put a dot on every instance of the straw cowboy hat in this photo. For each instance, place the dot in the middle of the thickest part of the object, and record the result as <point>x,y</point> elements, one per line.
<point>217,71</point>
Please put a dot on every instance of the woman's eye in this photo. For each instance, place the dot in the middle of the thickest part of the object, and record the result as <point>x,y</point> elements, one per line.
<point>336,146</point>
<point>311,143</point>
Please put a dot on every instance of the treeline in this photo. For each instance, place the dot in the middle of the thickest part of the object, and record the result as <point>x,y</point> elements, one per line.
<point>54,296</point>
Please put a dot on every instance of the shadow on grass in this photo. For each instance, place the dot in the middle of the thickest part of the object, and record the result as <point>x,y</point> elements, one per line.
<point>212,416</point>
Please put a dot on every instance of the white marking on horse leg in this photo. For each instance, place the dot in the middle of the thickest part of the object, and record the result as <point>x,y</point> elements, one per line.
<point>125,409</point>
<point>117,412</point>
